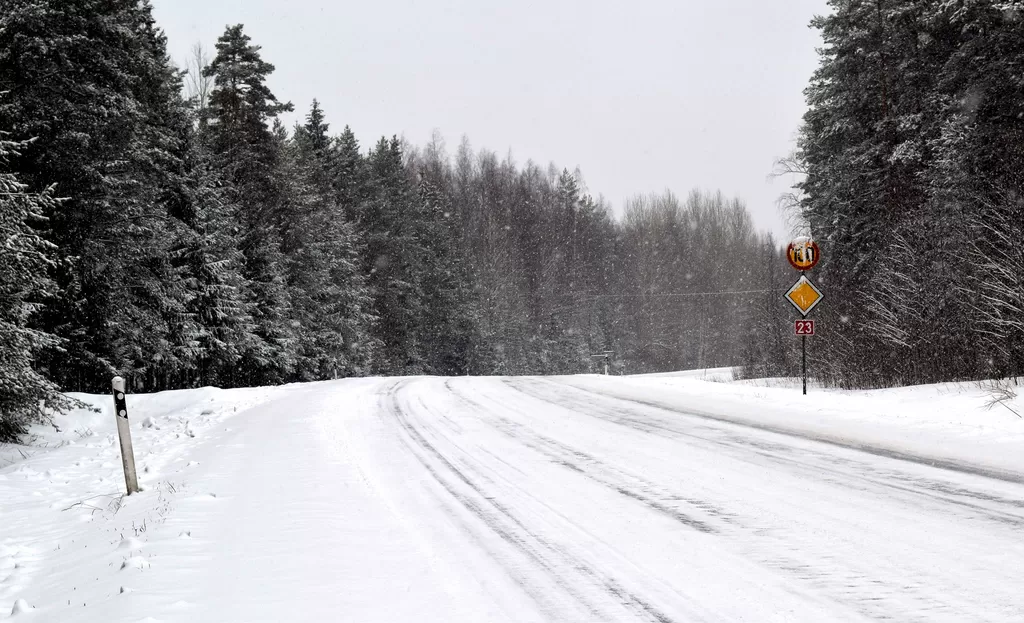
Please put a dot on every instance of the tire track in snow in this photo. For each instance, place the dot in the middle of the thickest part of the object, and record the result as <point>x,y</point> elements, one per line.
<point>627,484</point>
<point>387,399</point>
<point>555,561</point>
<point>936,591</point>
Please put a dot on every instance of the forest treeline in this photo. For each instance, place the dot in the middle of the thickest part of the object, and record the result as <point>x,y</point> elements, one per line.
<point>913,155</point>
<point>180,235</point>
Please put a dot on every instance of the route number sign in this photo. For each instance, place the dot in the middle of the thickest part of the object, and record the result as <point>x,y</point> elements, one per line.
<point>803,327</point>
<point>803,254</point>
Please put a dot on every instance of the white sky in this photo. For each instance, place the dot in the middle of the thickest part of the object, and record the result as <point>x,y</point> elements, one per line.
<point>642,95</point>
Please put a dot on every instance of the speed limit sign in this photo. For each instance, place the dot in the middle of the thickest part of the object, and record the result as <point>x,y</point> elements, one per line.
<point>803,327</point>
<point>803,254</point>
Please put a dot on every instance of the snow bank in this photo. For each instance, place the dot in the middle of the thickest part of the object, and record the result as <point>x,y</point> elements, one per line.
<point>717,375</point>
<point>66,527</point>
<point>973,424</point>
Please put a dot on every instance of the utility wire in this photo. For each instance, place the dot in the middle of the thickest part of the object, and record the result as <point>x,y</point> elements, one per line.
<point>677,294</point>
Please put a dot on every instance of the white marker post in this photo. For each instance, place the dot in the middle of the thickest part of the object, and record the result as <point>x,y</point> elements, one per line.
<point>124,433</point>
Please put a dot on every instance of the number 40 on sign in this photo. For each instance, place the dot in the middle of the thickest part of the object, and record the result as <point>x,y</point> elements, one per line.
<point>803,327</point>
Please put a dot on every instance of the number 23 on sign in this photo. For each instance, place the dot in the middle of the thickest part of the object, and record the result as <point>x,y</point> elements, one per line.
<point>803,327</point>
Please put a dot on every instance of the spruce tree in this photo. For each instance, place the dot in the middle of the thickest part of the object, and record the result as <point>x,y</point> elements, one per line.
<point>913,134</point>
<point>330,295</point>
<point>219,307</point>
<point>247,155</point>
<point>25,260</point>
<point>978,180</point>
<point>101,111</point>
<point>859,142</point>
<point>348,173</point>
<point>393,260</point>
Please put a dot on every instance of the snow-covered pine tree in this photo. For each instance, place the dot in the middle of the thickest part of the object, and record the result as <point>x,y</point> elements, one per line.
<point>978,179</point>
<point>330,296</point>
<point>915,301</point>
<point>348,173</point>
<point>219,311</point>
<point>393,260</point>
<point>99,112</point>
<point>160,355</point>
<point>861,144</point>
<point>246,155</point>
<point>912,146</point>
<point>25,260</point>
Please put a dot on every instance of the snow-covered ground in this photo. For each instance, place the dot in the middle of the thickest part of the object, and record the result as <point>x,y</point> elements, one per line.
<point>963,423</point>
<point>666,498</point>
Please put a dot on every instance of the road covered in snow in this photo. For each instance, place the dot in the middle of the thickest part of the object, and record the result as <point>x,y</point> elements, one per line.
<point>520,499</point>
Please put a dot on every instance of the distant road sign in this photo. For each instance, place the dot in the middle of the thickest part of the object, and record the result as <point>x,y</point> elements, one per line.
<point>803,254</point>
<point>803,327</point>
<point>804,296</point>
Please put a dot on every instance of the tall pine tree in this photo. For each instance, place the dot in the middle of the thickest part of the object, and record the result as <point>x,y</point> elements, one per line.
<point>247,156</point>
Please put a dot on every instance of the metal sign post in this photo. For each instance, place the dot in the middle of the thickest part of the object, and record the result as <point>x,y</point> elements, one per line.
<point>803,361</point>
<point>803,254</point>
<point>124,434</point>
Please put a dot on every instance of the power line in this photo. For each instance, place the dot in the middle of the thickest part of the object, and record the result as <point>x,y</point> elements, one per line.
<point>676,294</point>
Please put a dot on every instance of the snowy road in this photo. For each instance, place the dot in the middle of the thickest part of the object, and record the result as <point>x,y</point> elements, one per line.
<point>568,499</point>
<point>536,500</point>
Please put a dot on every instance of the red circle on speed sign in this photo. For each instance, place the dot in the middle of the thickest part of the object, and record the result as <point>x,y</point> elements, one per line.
<point>803,254</point>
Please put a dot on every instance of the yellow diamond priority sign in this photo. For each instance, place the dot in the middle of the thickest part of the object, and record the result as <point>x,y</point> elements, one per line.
<point>804,296</point>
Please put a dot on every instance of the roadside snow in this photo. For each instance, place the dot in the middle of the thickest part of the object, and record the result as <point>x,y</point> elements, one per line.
<point>956,422</point>
<point>66,529</point>
<point>717,375</point>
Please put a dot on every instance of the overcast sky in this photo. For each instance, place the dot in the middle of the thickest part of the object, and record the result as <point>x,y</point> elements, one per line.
<point>642,95</point>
